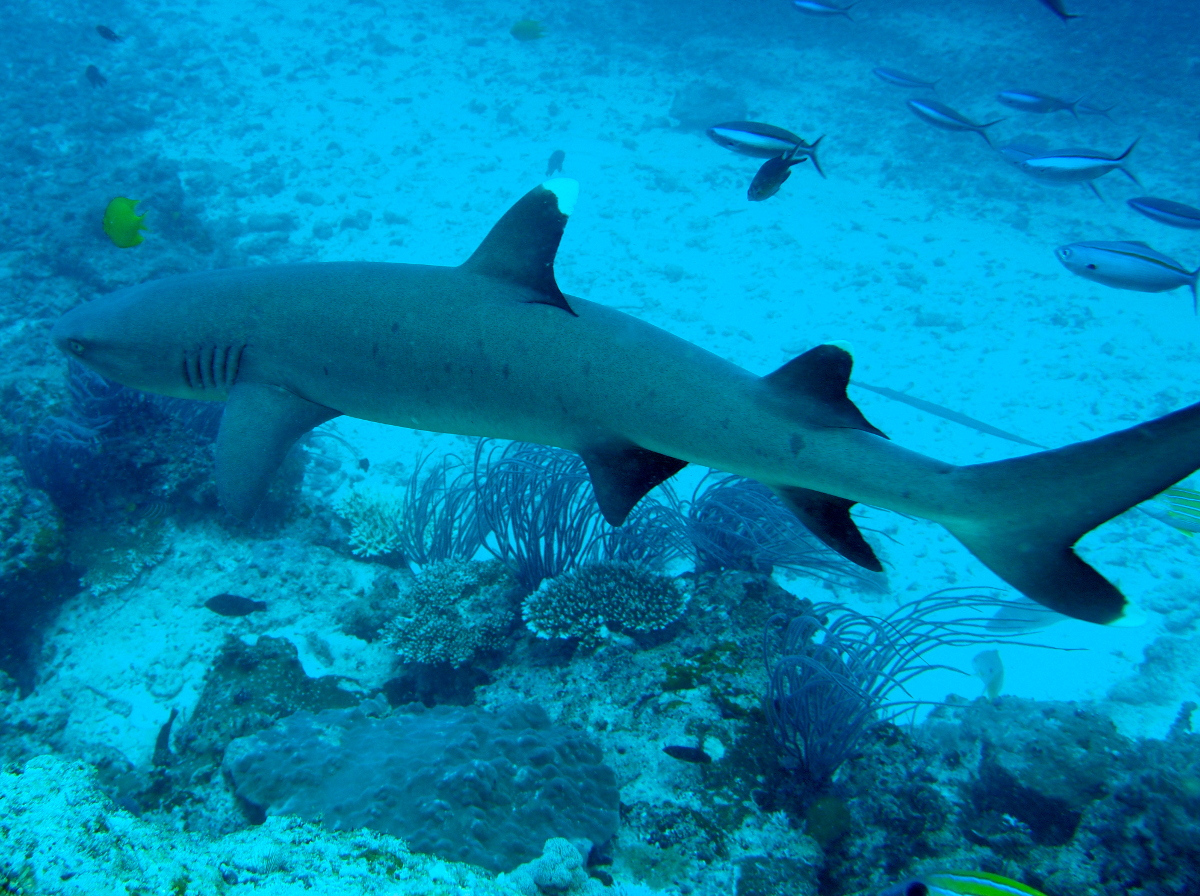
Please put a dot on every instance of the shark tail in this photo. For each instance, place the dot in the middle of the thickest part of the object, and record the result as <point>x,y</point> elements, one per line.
<point>1029,511</point>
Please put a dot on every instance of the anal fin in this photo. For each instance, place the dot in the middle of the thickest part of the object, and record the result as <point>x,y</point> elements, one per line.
<point>623,473</point>
<point>828,518</point>
<point>260,424</point>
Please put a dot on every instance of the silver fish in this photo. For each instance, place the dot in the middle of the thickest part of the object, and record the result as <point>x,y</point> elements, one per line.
<point>753,138</point>
<point>1016,153</point>
<point>819,8</point>
<point>1128,265</point>
<point>1032,101</point>
<point>1075,166</point>
<point>1176,214</point>
<point>942,116</point>
<point>901,79</point>
<point>764,141</point>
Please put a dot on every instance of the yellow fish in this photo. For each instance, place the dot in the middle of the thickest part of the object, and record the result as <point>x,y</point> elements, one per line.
<point>527,29</point>
<point>962,883</point>
<point>1177,507</point>
<point>122,223</point>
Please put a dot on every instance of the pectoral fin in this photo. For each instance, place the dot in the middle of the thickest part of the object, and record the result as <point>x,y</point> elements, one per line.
<point>260,424</point>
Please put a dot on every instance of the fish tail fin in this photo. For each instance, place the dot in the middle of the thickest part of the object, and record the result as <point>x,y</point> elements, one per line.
<point>982,132</point>
<point>1024,515</point>
<point>1126,153</point>
<point>1093,110</point>
<point>812,154</point>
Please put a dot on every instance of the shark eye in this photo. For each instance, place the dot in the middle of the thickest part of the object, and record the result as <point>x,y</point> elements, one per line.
<point>1091,267</point>
<point>75,346</point>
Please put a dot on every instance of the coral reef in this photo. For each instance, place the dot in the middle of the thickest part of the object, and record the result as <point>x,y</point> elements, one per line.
<point>537,508</point>
<point>30,527</point>
<point>468,785</point>
<point>451,612</point>
<point>594,601</point>
<point>114,448</point>
<point>560,869</point>
<point>63,836</point>
<point>372,516</point>
<point>824,693</point>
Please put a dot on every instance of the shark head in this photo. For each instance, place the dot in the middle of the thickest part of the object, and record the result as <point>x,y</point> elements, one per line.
<point>133,337</point>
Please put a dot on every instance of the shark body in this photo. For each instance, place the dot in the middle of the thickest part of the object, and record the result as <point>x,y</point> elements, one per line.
<point>493,348</point>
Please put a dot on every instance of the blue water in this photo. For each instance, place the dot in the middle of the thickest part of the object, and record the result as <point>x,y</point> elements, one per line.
<point>274,133</point>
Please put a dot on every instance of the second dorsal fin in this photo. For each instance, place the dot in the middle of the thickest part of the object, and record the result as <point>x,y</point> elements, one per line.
<point>521,246</point>
<point>820,376</point>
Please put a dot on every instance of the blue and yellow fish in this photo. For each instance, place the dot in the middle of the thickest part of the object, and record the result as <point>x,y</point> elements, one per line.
<point>962,883</point>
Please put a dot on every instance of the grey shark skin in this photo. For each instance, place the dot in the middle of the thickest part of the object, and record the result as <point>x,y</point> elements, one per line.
<point>493,348</point>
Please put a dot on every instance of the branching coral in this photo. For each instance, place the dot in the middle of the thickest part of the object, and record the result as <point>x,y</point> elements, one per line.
<point>372,516</point>
<point>589,602</point>
<point>453,611</point>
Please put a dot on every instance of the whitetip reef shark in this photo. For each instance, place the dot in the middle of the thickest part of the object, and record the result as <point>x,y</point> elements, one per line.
<point>493,348</point>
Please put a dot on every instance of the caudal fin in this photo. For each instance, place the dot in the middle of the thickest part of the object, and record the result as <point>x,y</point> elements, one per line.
<point>1023,516</point>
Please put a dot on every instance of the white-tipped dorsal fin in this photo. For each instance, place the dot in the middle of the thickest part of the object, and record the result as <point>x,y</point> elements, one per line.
<point>566,190</point>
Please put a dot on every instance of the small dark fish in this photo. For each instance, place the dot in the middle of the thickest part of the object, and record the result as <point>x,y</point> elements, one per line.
<point>1059,9</point>
<point>942,116</point>
<point>364,464</point>
<point>819,8</point>
<point>108,34</point>
<point>770,177</point>
<point>94,77</point>
<point>234,605</point>
<point>901,79</point>
<point>554,166</point>
<point>688,754</point>
<point>162,744</point>
<point>1176,214</point>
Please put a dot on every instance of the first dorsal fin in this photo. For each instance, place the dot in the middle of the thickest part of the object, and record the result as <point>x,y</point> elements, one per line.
<point>821,375</point>
<point>521,246</point>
